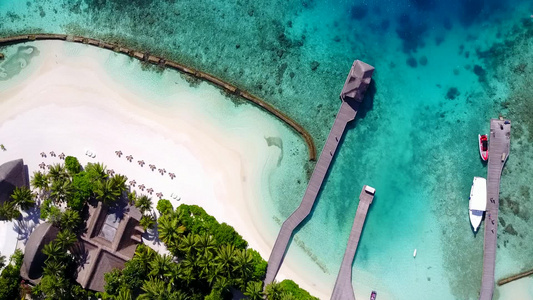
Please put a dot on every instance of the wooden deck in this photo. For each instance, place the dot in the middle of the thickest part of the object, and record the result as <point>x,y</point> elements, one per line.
<point>346,114</point>
<point>343,289</point>
<point>499,145</point>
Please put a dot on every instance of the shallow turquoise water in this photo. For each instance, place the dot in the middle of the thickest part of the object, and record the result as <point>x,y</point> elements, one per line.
<point>414,141</point>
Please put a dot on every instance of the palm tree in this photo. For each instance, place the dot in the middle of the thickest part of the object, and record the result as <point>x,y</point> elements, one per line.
<point>9,211</point>
<point>188,245</point>
<point>23,198</point>
<point>54,251</point>
<point>147,221</point>
<point>124,294</point>
<point>119,182</point>
<point>106,192</point>
<point>132,197</point>
<point>224,259</point>
<point>187,271</point>
<point>162,266</point>
<point>143,203</point>
<point>60,190</point>
<point>39,181</point>
<point>254,290</point>
<point>273,291</point>
<point>97,171</point>
<point>169,230</point>
<point>66,239</point>
<point>53,268</point>
<point>143,256</point>
<point>243,266</point>
<point>154,288</point>
<point>205,243</point>
<point>70,220</point>
<point>206,266</point>
<point>57,172</point>
<point>222,285</point>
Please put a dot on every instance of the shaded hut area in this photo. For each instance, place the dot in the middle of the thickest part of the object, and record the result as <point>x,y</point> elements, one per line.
<point>109,239</point>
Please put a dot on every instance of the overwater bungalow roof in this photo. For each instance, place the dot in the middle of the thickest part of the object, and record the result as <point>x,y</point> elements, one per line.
<point>357,81</point>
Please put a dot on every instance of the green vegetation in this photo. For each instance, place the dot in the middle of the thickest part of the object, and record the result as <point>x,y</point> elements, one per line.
<point>212,257</point>
<point>21,199</point>
<point>207,260</point>
<point>10,284</point>
<point>57,281</point>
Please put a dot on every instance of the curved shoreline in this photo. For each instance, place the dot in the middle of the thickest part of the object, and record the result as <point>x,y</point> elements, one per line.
<point>155,60</point>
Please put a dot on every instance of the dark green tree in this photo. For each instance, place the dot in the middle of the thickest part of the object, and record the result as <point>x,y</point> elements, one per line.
<point>40,181</point>
<point>273,291</point>
<point>72,165</point>
<point>164,207</point>
<point>143,203</point>
<point>254,290</point>
<point>23,198</point>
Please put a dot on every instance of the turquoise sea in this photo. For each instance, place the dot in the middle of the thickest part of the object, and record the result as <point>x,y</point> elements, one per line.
<point>443,69</point>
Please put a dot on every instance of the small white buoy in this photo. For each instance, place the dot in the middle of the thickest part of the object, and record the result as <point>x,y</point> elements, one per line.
<point>414,253</point>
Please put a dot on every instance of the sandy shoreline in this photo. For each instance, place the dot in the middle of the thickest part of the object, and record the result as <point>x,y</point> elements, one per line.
<point>71,105</point>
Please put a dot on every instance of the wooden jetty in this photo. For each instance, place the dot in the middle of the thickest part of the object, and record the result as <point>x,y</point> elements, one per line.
<point>499,147</point>
<point>351,96</point>
<point>515,277</point>
<point>159,61</point>
<point>343,289</point>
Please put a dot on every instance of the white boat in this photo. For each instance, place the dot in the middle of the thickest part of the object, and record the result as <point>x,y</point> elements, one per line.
<point>477,201</point>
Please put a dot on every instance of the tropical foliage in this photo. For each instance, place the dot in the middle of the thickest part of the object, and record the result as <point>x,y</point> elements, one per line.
<point>57,281</point>
<point>10,285</point>
<point>21,199</point>
<point>74,186</point>
<point>212,257</point>
<point>206,259</point>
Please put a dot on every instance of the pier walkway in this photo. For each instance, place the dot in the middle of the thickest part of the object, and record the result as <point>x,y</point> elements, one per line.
<point>499,147</point>
<point>343,289</point>
<point>351,96</point>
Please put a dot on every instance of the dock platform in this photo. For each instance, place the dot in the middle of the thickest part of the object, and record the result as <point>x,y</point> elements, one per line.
<point>499,147</point>
<point>352,94</point>
<point>343,289</point>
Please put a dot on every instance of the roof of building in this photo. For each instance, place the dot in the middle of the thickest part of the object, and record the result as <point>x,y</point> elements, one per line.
<point>12,174</point>
<point>110,240</point>
<point>357,81</point>
<point>34,258</point>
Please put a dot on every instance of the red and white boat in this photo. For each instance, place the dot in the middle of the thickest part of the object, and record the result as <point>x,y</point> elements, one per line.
<point>483,146</point>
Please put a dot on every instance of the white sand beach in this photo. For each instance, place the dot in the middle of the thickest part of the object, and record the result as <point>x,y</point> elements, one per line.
<point>69,104</point>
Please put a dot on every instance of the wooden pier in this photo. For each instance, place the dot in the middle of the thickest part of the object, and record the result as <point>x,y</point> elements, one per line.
<point>499,147</point>
<point>343,289</point>
<point>352,95</point>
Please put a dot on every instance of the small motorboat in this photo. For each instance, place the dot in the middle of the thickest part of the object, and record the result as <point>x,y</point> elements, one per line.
<point>373,295</point>
<point>477,201</point>
<point>483,146</point>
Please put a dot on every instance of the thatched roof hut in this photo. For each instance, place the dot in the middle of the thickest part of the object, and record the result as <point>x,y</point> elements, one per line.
<point>110,240</point>
<point>32,265</point>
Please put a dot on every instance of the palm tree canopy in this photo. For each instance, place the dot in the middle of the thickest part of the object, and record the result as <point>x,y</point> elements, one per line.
<point>23,198</point>
<point>254,290</point>
<point>39,180</point>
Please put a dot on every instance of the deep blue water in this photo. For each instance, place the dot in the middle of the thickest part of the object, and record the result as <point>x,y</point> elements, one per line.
<point>443,68</point>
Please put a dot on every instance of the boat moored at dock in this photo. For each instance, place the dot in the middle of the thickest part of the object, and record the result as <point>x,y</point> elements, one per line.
<point>477,201</point>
